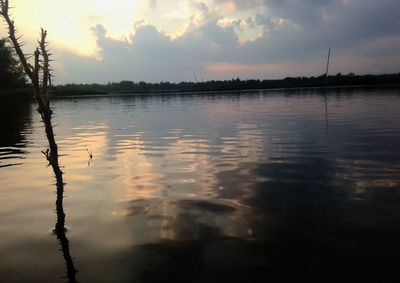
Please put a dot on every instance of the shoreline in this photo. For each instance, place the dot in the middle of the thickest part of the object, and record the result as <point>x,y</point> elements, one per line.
<point>25,93</point>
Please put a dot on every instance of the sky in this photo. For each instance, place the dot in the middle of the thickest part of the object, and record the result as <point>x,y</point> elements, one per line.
<point>178,40</point>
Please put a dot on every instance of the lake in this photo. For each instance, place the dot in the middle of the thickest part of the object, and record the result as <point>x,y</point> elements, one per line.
<point>255,186</point>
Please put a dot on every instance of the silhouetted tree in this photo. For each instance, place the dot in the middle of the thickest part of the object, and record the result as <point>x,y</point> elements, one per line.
<point>11,71</point>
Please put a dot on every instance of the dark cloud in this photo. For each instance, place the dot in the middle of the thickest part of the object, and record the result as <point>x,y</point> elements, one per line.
<point>306,13</point>
<point>360,17</point>
<point>313,26</point>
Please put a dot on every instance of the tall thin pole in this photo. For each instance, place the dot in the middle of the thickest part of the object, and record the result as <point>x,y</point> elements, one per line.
<point>325,96</point>
<point>327,63</point>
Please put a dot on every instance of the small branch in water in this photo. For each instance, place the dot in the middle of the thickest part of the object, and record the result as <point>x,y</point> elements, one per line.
<point>90,156</point>
<point>89,152</point>
<point>47,155</point>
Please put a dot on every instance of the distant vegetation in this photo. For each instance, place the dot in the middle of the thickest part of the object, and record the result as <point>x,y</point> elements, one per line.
<point>227,85</point>
<point>11,71</point>
<point>13,78</point>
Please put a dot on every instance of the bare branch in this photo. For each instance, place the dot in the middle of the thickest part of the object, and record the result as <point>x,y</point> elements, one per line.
<point>45,67</point>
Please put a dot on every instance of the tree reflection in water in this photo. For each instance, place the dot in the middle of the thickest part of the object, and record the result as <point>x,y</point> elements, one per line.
<point>60,230</point>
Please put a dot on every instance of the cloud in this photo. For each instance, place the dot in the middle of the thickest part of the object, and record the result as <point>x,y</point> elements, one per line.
<point>295,37</point>
<point>240,4</point>
<point>150,55</point>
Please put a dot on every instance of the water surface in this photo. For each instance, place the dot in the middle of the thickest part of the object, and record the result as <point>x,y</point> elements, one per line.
<point>236,187</point>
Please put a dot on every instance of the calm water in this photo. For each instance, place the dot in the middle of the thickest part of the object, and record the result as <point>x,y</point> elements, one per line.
<point>206,188</point>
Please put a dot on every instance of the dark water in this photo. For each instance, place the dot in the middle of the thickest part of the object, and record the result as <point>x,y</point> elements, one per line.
<point>256,187</point>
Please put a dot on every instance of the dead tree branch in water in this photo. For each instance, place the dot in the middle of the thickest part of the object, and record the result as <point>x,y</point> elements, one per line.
<point>40,76</point>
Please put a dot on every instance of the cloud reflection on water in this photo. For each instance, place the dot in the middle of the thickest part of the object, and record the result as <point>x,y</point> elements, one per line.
<point>174,184</point>
<point>215,188</point>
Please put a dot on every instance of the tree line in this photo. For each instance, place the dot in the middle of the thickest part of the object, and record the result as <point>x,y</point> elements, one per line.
<point>229,85</point>
<point>13,77</point>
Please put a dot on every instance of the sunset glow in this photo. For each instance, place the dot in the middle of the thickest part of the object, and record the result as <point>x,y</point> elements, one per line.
<point>216,39</point>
